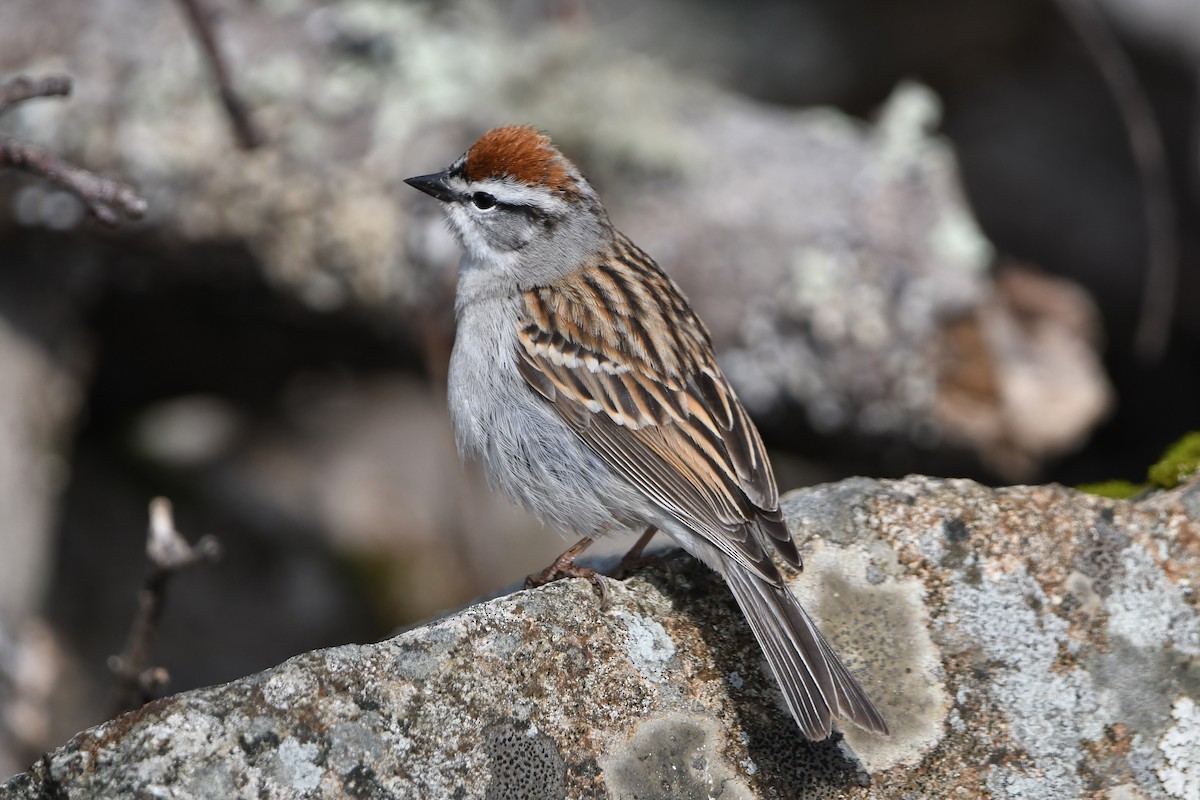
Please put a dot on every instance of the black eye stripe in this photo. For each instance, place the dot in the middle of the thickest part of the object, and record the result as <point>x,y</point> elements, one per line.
<point>486,201</point>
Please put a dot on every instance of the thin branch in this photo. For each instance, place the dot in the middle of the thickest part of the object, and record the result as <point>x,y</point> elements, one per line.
<point>167,553</point>
<point>106,199</point>
<point>1145,137</point>
<point>247,134</point>
<point>22,87</point>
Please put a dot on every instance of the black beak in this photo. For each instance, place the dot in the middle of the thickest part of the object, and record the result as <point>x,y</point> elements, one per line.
<point>433,185</point>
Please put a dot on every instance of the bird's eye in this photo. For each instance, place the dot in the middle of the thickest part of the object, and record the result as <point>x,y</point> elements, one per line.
<point>483,201</point>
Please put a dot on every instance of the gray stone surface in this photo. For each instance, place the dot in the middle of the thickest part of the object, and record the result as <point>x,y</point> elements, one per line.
<point>1025,642</point>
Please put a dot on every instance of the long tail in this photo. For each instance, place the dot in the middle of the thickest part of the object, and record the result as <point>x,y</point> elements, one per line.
<point>815,683</point>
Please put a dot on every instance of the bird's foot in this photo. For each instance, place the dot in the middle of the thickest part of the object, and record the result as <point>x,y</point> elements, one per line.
<point>565,567</point>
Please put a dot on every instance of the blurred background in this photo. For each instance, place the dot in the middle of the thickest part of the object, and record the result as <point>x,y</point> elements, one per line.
<point>916,228</point>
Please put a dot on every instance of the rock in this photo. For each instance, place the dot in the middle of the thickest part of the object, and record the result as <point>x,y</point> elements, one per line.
<point>827,255</point>
<point>1028,642</point>
<point>39,395</point>
<point>1017,375</point>
<point>38,399</point>
<point>1171,27</point>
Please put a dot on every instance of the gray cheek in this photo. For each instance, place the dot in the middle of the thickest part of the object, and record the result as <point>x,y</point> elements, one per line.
<point>510,232</point>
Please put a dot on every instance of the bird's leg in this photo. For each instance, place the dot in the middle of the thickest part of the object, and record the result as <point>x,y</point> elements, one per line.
<point>634,558</point>
<point>564,567</point>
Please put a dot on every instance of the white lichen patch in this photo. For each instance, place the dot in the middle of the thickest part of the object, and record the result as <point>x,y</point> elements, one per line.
<point>1180,749</point>
<point>296,765</point>
<point>933,543</point>
<point>881,631</point>
<point>1051,711</point>
<point>650,646</point>
<point>1148,610</point>
<point>680,755</point>
<point>287,685</point>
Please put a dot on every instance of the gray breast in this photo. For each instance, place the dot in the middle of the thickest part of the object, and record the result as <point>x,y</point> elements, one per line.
<point>525,449</point>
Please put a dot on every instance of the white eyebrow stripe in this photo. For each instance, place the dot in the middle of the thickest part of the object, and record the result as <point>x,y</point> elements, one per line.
<point>514,193</point>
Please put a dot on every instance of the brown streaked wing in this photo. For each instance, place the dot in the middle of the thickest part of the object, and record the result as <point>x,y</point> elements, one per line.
<point>647,397</point>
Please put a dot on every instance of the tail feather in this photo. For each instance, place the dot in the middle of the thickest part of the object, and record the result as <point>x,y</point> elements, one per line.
<point>815,683</point>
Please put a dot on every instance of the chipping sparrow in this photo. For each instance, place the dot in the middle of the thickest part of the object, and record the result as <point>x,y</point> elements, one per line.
<point>587,386</point>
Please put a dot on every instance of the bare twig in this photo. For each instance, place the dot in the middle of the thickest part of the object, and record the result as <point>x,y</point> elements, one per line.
<point>167,552</point>
<point>22,87</point>
<point>106,199</point>
<point>247,134</point>
<point>1145,137</point>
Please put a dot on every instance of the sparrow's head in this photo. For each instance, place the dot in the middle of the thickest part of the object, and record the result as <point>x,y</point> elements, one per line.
<point>517,204</point>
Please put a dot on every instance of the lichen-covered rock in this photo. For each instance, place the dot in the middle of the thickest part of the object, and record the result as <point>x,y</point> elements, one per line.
<point>1027,642</point>
<point>828,256</point>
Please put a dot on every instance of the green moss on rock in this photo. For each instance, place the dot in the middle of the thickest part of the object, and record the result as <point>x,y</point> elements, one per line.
<point>1181,460</point>
<point>1116,489</point>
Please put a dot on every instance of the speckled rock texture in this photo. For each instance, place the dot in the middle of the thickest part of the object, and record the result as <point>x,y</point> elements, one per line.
<point>1027,642</point>
<point>836,262</point>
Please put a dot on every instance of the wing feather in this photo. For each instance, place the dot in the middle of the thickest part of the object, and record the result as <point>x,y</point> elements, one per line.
<point>646,395</point>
